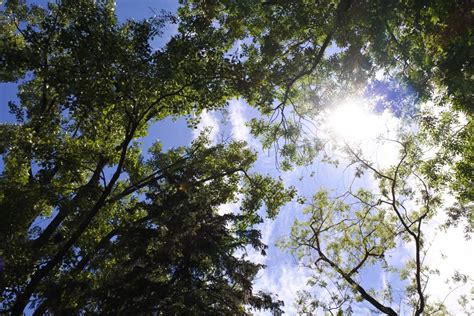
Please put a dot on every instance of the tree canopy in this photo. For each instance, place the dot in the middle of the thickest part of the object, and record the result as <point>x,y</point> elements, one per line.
<point>91,224</point>
<point>299,57</point>
<point>76,188</point>
<point>342,236</point>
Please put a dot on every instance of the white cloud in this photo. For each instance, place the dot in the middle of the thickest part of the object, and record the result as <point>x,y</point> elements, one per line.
<point>449,252</point>
<point>239,131</point>
<point>232,207</point>
<point>284,280</point>
<point>208,120</point>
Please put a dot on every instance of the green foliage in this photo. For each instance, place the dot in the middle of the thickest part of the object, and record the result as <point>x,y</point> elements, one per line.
<point>301,57</point>
<point>452,166</point>
<point>89,224</point>
<point>339,240</point>
<point>343,238</point>
<point>172,251</point>
<point>126,231</point>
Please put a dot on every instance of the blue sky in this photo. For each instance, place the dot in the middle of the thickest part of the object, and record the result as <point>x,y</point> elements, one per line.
<point>283,275</point>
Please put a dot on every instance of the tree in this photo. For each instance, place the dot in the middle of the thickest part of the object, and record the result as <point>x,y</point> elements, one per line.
<point>89,87</point>
<point>301,57</point>
<point>76,190</point>
<point>304,57</point>
<point>174,253</point>
<point>452,133</point>
<point>343,238</point>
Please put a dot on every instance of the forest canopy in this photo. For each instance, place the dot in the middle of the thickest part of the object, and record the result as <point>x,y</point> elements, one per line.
<point>93,222</point>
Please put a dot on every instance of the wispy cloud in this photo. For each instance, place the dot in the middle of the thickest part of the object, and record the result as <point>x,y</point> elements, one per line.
<point>208,121</point>
<point>239,131</point>
<point>284,280</point>
<point>448,252</point>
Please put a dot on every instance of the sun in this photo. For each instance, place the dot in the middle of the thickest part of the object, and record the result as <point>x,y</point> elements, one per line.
<point>353,121</point>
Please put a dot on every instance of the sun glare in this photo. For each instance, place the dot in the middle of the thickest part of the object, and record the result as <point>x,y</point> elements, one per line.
<point>352,121</point>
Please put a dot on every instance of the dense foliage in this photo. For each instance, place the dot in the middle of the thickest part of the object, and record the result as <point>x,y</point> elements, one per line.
<point>91,224</point>
<point>414,58</point>
<point>86,218</point>
<point>303,56</point>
